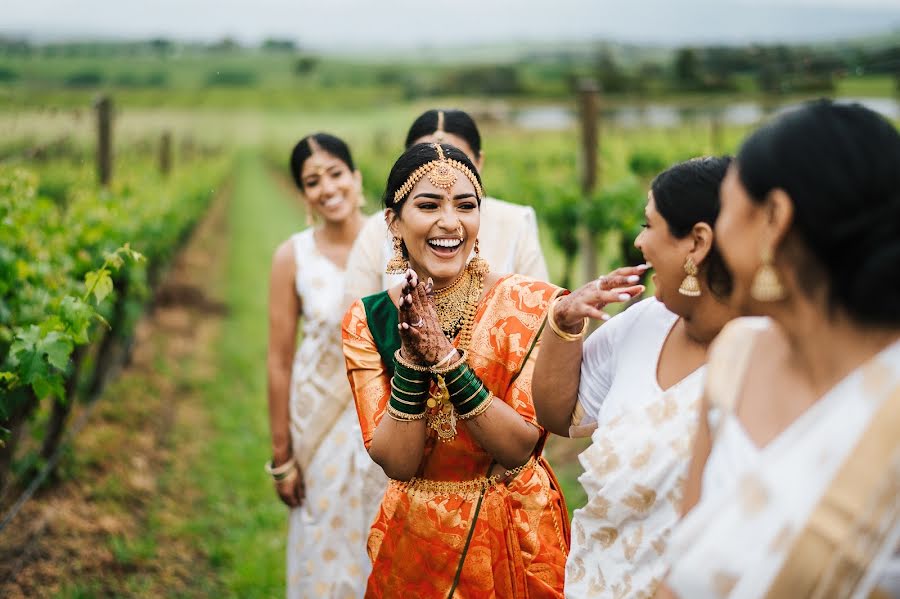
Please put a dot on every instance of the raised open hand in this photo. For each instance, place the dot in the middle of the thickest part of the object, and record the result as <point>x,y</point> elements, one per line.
<point>618,286</point>
<point>422,339</point>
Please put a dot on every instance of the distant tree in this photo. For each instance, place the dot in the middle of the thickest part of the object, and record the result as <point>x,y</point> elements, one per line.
<point>8,75</point>
<point>161,46</point>
<point>278,45</point>
<point>89,78</point>
<point>610,75</point>
<point>305,65</point>
<point>226,44</point>
<point>687,69</point>
<point>231,78</point>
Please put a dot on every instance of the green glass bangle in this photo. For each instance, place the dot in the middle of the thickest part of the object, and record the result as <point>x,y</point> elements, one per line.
<point>398,405</point>
<point>421,391</point>
<point>461,403</point>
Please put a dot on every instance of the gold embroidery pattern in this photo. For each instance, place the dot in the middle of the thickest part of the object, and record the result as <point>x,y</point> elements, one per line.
<point>641,499</point>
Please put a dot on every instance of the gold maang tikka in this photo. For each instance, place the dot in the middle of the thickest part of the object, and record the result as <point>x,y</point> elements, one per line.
<point>441,172</point>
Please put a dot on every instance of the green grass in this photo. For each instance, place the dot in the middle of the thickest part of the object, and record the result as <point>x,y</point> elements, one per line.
<point>243,526</point>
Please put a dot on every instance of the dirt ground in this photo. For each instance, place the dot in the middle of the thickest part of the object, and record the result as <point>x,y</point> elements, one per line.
<point>103,528</point>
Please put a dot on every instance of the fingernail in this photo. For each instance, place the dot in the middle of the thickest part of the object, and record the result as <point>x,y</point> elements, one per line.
<point>430,281</point>
<point>604,317</point>
<point>624,297</point>
<point>633,279</point>
<point>644,266</point>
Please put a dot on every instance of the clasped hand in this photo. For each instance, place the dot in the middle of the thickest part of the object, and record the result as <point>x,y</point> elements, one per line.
<point>421,339</point>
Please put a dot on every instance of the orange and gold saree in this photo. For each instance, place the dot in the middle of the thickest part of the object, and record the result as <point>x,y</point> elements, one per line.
<point>450,532</point>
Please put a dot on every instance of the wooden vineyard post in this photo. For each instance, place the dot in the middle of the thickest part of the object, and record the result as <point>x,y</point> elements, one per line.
<point>104,140</point>
<point>589,110</point>
<point>165,153</point>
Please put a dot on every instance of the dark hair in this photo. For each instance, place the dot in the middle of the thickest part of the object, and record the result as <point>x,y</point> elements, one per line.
<point>456,122</point>
<point>412,159</point>
<point>688,193</point>
<point>840,165</point>
<point>303,150</point>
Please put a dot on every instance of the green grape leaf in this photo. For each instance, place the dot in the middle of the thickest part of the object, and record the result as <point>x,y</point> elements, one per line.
<point>99,283</point>
<point>76,316</point>
<point>114,259</point>
<point>58,348</point>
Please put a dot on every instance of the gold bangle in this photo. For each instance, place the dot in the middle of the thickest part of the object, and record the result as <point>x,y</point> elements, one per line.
<point>479,409</point>
<point>402,416</point>
<point>406,364</point>
<point>551,320</point>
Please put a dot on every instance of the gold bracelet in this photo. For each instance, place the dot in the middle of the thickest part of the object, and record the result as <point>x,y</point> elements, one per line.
<point>479,409</point>
<point>406,364</point>
<point>403,417</point>
<point>551,320</point>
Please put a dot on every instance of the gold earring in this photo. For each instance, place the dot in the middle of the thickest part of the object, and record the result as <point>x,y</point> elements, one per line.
<point>766,286</point>
<point>478,265</point>
<point>398,264</point>
<point>690,286</point>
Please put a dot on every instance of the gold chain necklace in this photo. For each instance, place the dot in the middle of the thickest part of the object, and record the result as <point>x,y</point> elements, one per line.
<point>441,415</point>
<point>451,302</point>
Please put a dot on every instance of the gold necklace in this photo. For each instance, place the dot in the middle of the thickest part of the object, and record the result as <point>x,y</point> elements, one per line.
<point>441,415</point>
<point>450,302</point>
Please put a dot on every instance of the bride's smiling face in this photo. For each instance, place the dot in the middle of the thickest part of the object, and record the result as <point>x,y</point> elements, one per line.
<point>439,227</point>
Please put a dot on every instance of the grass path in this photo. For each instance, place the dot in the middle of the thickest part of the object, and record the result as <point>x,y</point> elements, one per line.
<point>244,525</point>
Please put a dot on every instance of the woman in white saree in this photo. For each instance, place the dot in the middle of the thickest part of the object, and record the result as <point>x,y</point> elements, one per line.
<point>795,485</point>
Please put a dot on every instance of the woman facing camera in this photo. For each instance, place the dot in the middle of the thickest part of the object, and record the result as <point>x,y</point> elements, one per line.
<point>799,493</point>
<point>634,386</point>
<point>319,467</point>
<point>441,370</point>
<point>509,234</point>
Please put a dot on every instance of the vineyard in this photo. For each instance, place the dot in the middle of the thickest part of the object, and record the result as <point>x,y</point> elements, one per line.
<point>133,317</point>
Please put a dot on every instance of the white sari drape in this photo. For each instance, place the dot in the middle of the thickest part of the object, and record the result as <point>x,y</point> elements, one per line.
<point>737,540</point>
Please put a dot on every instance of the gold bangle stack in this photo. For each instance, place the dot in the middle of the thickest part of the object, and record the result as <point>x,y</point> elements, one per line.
<point>551,321</point>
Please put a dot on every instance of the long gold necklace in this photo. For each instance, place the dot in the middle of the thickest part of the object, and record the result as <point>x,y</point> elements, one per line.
<point>460,310</point>
<point>451,302</point>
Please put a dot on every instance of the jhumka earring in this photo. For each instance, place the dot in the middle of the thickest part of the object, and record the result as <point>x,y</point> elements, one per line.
<point>478,265</point>
<point>690,286</point>
<point>398,264</point>
<point>766,286</point>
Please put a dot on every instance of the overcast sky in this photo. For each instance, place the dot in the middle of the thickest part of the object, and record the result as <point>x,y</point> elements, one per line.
<point>350,24</point>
